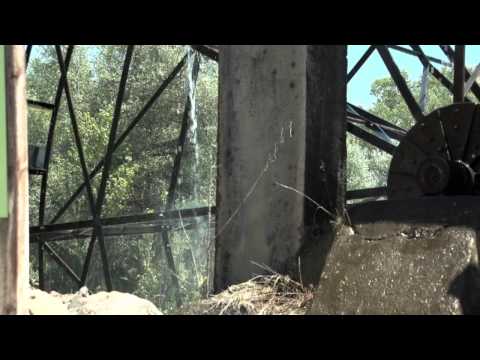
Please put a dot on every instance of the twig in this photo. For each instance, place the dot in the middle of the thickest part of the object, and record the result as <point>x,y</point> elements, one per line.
<point>319,207</point>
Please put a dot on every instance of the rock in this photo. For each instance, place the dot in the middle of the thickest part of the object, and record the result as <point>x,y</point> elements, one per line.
<point>41,303</point>
<point>420,270</point>
<point>81,303</point>
<point>114,303</point>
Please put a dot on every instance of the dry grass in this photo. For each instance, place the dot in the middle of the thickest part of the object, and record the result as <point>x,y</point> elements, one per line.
<point>263,295</point>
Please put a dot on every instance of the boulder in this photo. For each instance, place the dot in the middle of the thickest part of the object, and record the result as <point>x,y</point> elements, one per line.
<point>42,303</point>
<point>401,270</point>
<point>114,303</point>
<point>82,303</point>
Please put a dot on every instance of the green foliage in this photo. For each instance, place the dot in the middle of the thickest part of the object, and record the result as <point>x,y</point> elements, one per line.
<point>141,168</point>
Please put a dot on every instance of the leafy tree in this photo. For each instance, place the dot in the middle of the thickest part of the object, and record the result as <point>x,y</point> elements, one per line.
<point>141,168</point>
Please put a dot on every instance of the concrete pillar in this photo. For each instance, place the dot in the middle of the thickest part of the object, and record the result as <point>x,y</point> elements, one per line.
<point>266,93</point>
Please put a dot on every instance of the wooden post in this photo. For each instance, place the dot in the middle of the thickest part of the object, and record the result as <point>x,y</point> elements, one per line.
<point>14,229</point>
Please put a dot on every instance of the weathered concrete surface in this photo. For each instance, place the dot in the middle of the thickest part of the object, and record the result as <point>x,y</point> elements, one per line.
<point>262,119</point>
<point>263,127</point>
<point>412,269</point>
<point>325,169</point>
<point>82,303</point>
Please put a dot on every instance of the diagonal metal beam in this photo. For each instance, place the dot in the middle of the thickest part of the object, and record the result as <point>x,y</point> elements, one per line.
<point>48,155</point>
<point>391,133</point>
<point>207,51</point>
<point>473,79</point>
<point>401,83</point>
<point>370,138</point>
<point>28,52</point>
<point>450,53</point>
<point>124,135</point>
<point>40,105</point>
<point>360,63</point>
<point>51,135</point>
<point>83,164</point>
<point>62,263</point>
<point>375,119</point>
<point>172,190</point>
<point>434,71</point>
<point>109,157</point>
<point>415,53</point>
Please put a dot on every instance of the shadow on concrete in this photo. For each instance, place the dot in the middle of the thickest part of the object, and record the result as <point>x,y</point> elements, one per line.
<point>466,288</point>
<point>448,211</point>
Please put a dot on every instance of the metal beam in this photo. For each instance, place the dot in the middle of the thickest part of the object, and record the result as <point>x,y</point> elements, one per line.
<point>124,135</point>
<point>124,230</point>
<point>371,138</point>
<point>459,74</point>
<point>207,51</point>
<point>435,72</point>
<point>28,52</point>
<point>391,133</point>
<point>48,155</point>
<point>172,190</point>
<point>416,53</point>
<point>167,216</point>
<point>451,55</point>
<point>401,83</point>
<point>360,63</point>
<point>473,79</point>
<point>83,165</point>
<point>40,105</point>
<point>374,119</point>
<point>108,161</point>
<point>56,257</point>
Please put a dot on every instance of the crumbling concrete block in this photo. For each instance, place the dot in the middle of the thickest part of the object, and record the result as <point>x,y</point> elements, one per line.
<point>401,270</point>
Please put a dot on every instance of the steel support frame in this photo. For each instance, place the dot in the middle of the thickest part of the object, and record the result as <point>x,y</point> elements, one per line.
<point>38,233</point>
<point>450,53</point>
<point>456,57</point>
<point>166,216</point>
<point>401,83</point>
<point>106,174</point>
<point>434,71</point>
<point>44,183</point>
<point>85,172</point>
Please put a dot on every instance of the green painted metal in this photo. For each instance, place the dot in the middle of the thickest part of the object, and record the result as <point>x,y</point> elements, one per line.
<point>3,139</point>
